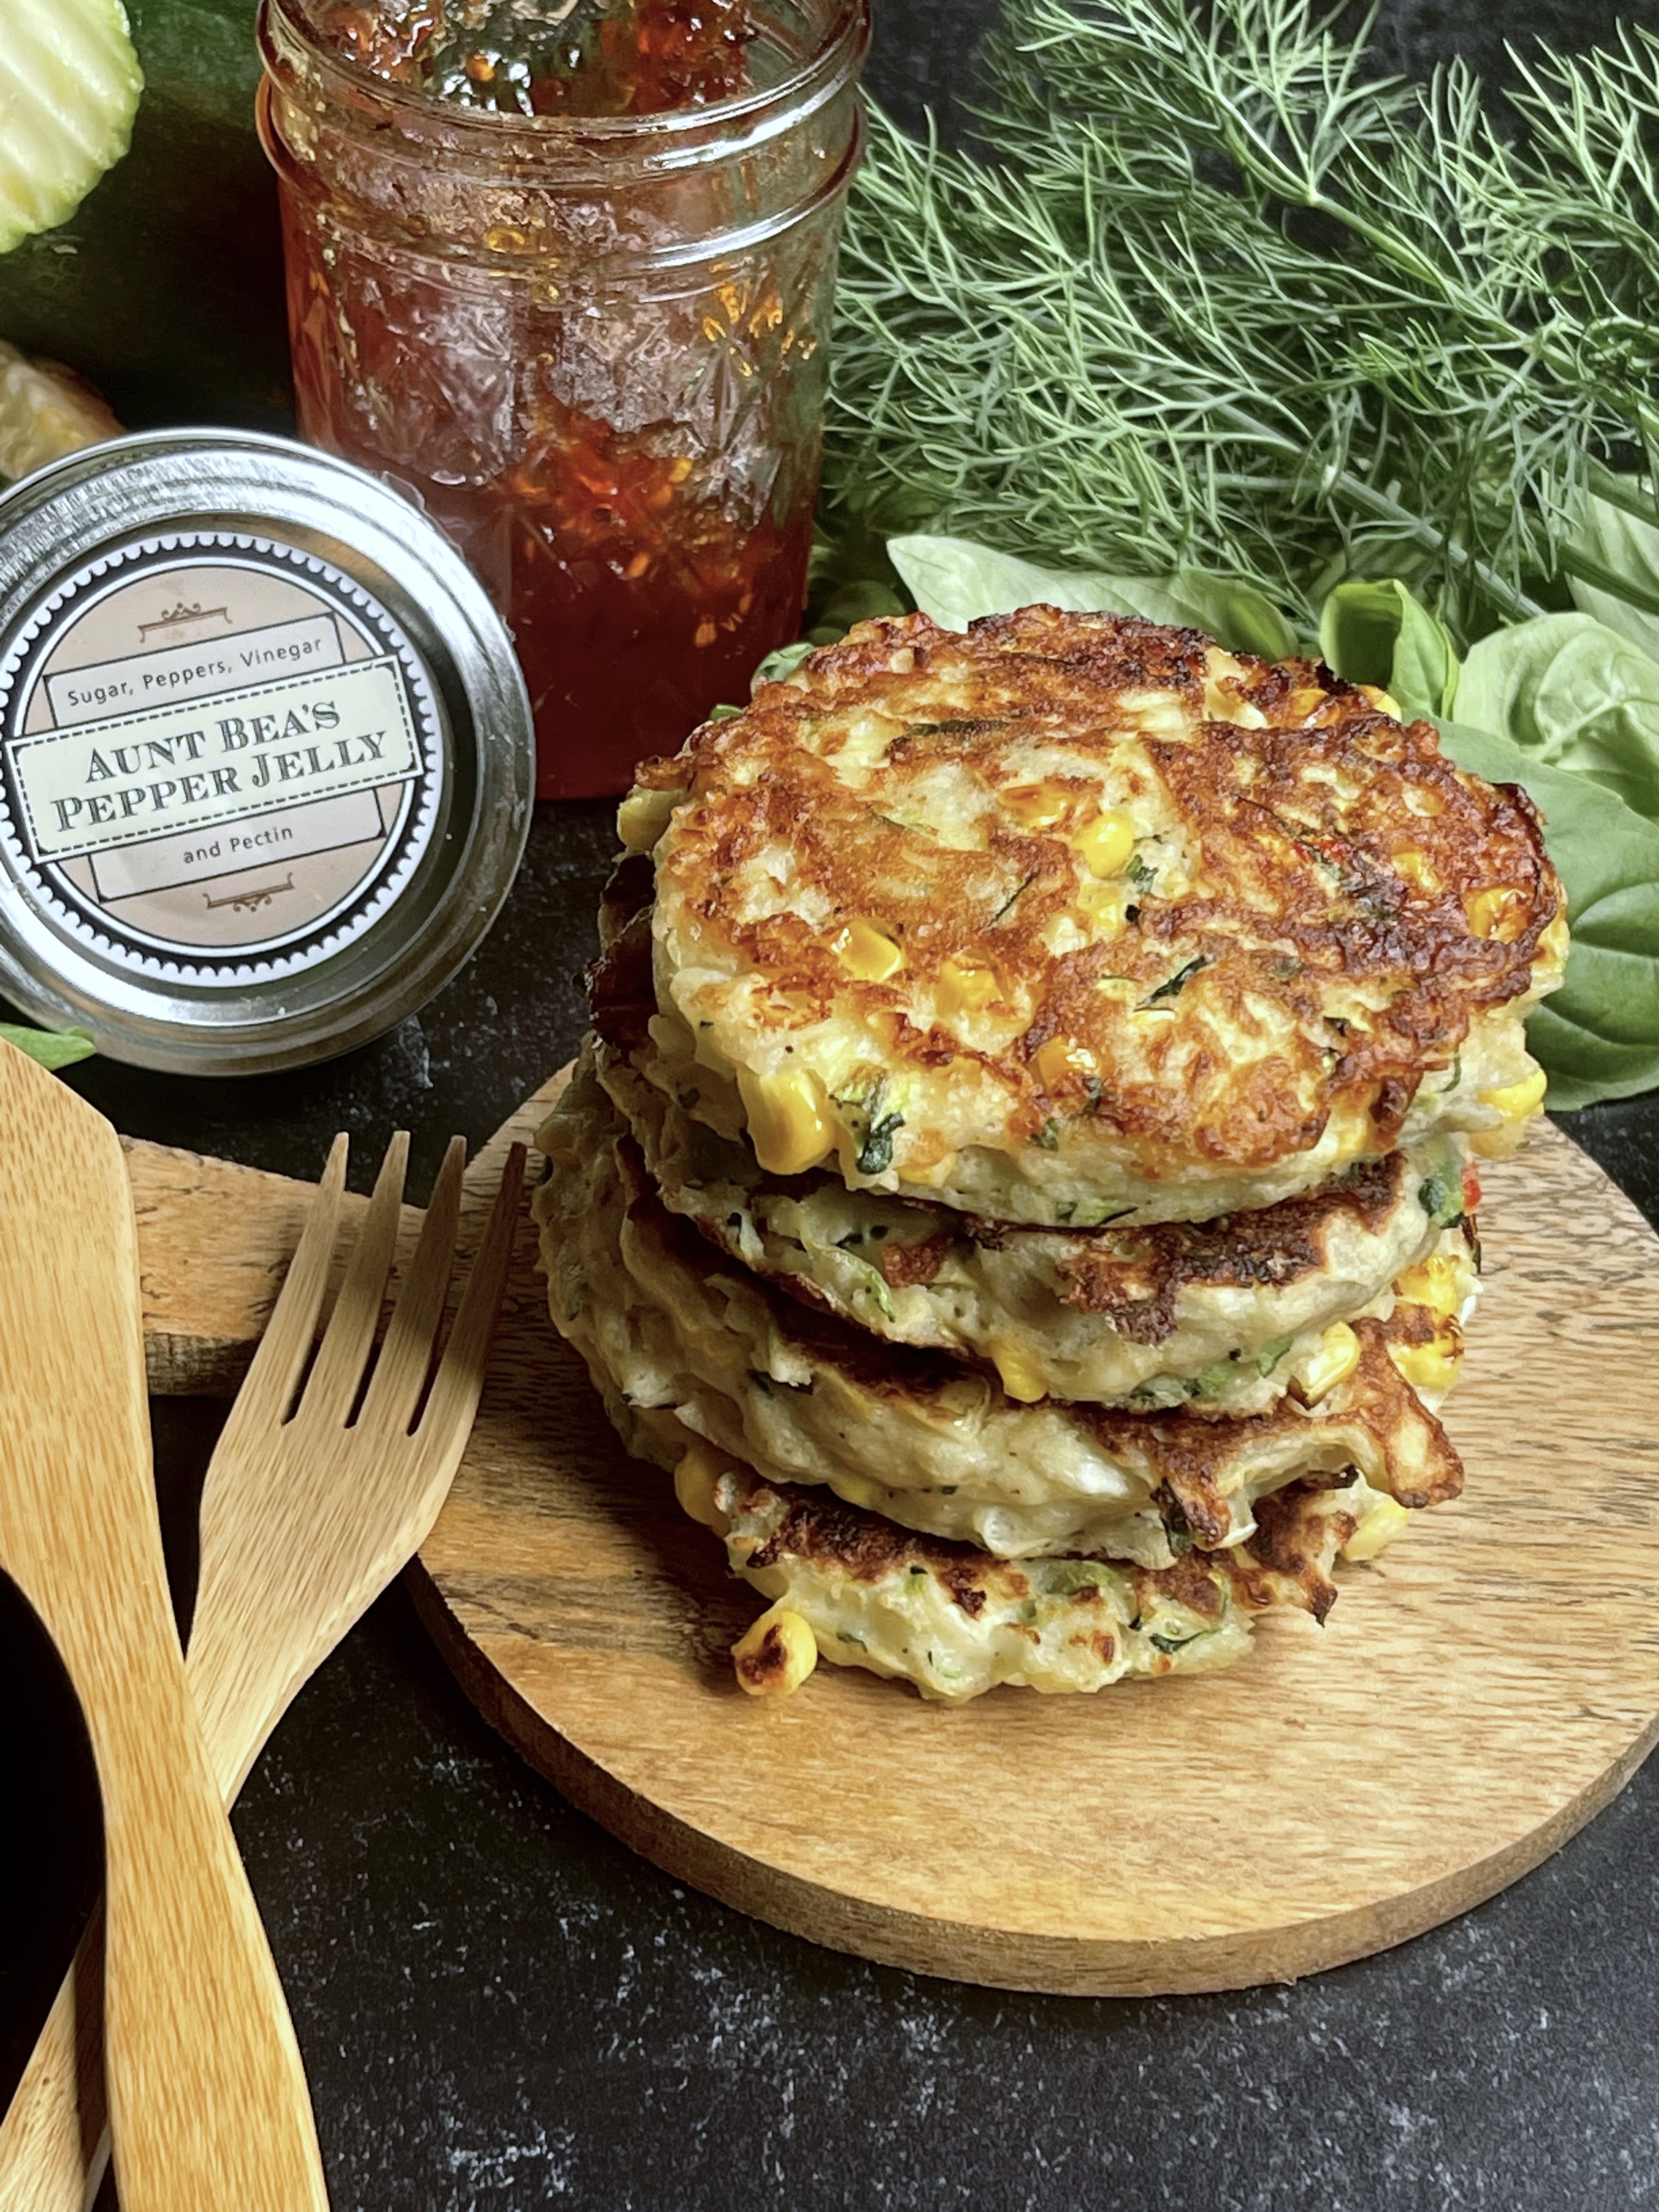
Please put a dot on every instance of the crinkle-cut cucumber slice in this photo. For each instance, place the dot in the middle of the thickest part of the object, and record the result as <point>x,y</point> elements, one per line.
<point>69,82</point>
<point>46,411</point>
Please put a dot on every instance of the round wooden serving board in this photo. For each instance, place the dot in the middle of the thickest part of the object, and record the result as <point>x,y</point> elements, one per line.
<point>1476,1695</point>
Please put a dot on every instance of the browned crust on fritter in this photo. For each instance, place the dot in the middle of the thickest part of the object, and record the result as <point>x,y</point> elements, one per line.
<point>1286,1562</point>
<point>1380,1396</point>
<point>902,1264</point>
<point>1300,901</point>
<point>619,988</point>
<point>867,1546</point>
<point>1411,1325</point>
<point>870,1361</point>
<point>1134,1279</point>
<point>628,890</point>
<point>1191,1451</point>
<point>1190,1581</point>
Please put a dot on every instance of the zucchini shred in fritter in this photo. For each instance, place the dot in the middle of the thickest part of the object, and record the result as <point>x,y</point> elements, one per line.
<point>1074,914</point>
<point>668,1326</point>
<point>1223,1312</point>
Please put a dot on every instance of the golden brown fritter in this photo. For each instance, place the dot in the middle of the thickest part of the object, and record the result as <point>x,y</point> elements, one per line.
<point>1072,916</point>
<point>957,1622</point>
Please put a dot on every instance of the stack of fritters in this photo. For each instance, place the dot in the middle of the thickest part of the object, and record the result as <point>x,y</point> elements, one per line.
<point>1018,1178</point>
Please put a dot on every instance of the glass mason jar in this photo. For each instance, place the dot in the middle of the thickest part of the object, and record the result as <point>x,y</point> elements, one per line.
<point>592,349</point>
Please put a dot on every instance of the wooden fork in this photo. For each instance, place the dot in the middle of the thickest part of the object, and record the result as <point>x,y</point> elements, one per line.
<point>309,1510</point>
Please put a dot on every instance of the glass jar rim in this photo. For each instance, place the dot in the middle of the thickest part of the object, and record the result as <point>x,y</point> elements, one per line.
<point>670,138</point>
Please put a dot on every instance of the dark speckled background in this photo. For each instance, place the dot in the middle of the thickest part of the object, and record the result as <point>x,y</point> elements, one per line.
<point>501,2008</point>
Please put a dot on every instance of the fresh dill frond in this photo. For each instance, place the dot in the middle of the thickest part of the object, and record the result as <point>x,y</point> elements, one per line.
<point>1214,293</point>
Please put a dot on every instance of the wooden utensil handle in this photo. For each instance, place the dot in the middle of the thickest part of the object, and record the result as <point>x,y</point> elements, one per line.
<point>208,2099</point>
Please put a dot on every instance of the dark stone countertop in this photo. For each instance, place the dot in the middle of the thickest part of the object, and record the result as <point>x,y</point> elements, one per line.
<point>501,2007</point>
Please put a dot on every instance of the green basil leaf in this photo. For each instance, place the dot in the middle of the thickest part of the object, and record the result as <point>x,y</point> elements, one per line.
<point>956,582</point>
<point>1598,1035</point>
<point>1235,613</point>
<point>1575,695</point>
<point>1378,633</point>
<point>53,1048</point>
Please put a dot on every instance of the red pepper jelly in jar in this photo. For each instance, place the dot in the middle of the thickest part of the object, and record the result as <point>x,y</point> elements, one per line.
<point>562,271</point>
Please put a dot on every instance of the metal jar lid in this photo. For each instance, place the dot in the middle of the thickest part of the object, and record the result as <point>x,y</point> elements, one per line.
<point>266,757</point>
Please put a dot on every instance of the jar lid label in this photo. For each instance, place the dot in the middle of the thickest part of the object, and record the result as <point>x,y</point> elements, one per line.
<point>217,753</point>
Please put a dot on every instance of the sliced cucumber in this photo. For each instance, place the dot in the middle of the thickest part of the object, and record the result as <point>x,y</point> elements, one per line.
<point>46,411</point>
<point>69,82</point>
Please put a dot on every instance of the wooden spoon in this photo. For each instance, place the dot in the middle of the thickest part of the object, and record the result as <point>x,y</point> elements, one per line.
<point>207,2093</point>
